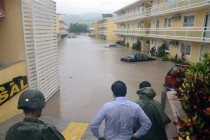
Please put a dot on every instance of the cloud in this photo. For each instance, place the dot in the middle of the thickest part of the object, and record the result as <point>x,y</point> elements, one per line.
<point>78,7</point>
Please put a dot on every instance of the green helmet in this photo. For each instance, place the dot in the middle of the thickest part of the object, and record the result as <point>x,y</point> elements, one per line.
<point>32,99</point>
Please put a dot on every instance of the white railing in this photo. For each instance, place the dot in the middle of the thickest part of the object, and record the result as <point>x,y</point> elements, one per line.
<point>103,32</point>
<point>198,34</point>
<point>63,26</point>
<point>165,8</point>
<point>102,25</point>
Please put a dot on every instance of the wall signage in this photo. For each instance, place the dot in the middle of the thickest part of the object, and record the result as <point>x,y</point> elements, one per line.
<point>10,89</point>
<point>2,8</point>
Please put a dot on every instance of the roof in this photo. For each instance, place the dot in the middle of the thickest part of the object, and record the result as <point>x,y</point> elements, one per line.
<point>107,15</point>
<point>138,2</point>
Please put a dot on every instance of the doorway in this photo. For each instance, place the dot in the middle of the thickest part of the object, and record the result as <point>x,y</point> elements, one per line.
<point>204,48</point>
<point>206,35</point>
<point>157,27</point>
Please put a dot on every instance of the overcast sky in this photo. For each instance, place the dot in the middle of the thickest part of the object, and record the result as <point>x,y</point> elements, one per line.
<point>77,7</point>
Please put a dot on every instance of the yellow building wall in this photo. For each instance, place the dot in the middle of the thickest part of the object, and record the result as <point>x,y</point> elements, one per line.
<point>131,40</point>
<point>57,23</point>
<point>96,29</point>
<point>9,108</point>
<point>199,19</point>
<point>194,54</point>
<point>11,34</point>
<point>111,27</point>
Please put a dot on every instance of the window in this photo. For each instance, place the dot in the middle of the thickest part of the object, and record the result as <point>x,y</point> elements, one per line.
<point>140,24</point>
<point>167,22</point>
<point>185,48</point>
<point>166,45</point>
<point>141,9</point>
<point>189,21</point>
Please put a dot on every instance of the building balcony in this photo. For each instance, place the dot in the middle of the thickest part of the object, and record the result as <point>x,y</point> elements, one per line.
<point>103,33</point>
<point>164,9</point>
<point>63,26</point>
<point>63,32</point>
<point>105,25</point>
<point>196,34</point>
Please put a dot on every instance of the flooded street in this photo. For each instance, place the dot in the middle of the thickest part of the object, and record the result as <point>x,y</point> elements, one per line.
<point>87,70</point>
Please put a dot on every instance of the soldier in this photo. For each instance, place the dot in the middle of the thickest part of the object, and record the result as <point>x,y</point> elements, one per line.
<point>32,102</point>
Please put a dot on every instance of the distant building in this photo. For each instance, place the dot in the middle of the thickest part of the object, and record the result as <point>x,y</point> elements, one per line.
<point>103,29</point>
<point>182,25</point>
<point>28,51</point>
<point>61,28</point>
<point>94,29</point>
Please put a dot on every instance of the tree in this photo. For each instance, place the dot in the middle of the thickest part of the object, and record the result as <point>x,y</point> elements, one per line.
<point>78,28</point>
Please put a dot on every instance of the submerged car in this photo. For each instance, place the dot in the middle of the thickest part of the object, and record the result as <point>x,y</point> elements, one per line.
<point>137,58</point>
<point>111,46</point>
<point>170,81</point>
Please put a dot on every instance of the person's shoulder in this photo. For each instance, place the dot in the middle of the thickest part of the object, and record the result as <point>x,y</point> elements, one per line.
<point>157,102</point>
<point>17,125</point>
<point>139,102</point>
<point>108,104</point>
<point>21,130</point>
<point>133,104</point>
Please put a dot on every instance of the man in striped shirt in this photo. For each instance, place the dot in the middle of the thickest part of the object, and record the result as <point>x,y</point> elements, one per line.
<point>120,116</point>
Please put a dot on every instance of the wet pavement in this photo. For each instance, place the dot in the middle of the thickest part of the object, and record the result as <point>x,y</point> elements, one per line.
<point>87,70</point>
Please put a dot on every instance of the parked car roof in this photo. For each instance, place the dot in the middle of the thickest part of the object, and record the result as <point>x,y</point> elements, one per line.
<point>110,45</point>
<point>137,57</point>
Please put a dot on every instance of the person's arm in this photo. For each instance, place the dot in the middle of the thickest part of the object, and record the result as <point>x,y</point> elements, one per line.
<point>95,123</point>
<point>145,124</point>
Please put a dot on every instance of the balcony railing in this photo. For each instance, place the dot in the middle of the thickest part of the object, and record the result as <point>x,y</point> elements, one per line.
<point>102,25</point>
<point>63,26</point>
<point>198,34</point>
<point>165,8</point>
<point>103,33</point>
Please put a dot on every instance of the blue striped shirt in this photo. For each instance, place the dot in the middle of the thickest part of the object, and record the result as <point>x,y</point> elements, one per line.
<point>120,115</point>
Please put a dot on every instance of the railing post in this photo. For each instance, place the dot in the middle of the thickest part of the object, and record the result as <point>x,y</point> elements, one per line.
<point>186,34</point>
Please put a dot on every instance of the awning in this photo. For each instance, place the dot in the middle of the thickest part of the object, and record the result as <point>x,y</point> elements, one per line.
<point>2,8</point>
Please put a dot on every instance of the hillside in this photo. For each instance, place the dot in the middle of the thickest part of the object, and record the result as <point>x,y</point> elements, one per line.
<point>85,18</point>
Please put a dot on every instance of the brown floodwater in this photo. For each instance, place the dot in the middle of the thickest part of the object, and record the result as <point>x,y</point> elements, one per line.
<point>87,70</point>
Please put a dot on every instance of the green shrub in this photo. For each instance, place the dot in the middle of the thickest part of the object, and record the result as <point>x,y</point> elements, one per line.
<point>138,47</point>
<point>178,60</point>
<point>127,44</point>
<point>165,58</point>
<point>134,46</point>
<point>160,51</point>
<point>193,91</point>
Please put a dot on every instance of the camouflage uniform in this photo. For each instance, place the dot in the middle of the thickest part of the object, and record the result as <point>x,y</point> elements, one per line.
<point>31,129</point>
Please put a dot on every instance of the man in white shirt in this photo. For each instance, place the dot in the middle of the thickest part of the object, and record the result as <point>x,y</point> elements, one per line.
<point>120,116</point>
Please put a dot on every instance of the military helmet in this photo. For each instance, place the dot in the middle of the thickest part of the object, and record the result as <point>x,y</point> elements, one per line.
<point>32,99</point>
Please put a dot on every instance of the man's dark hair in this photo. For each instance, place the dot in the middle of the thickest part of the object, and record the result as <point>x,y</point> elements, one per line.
<point>119,89</point>
<point>144,84</point>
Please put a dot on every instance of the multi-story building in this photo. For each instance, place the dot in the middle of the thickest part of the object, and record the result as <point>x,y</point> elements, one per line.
<point>104,28</point>
<point>183,26</point>
<point>94,29</point>
<point>61,28</point>
<point>28,51</point>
